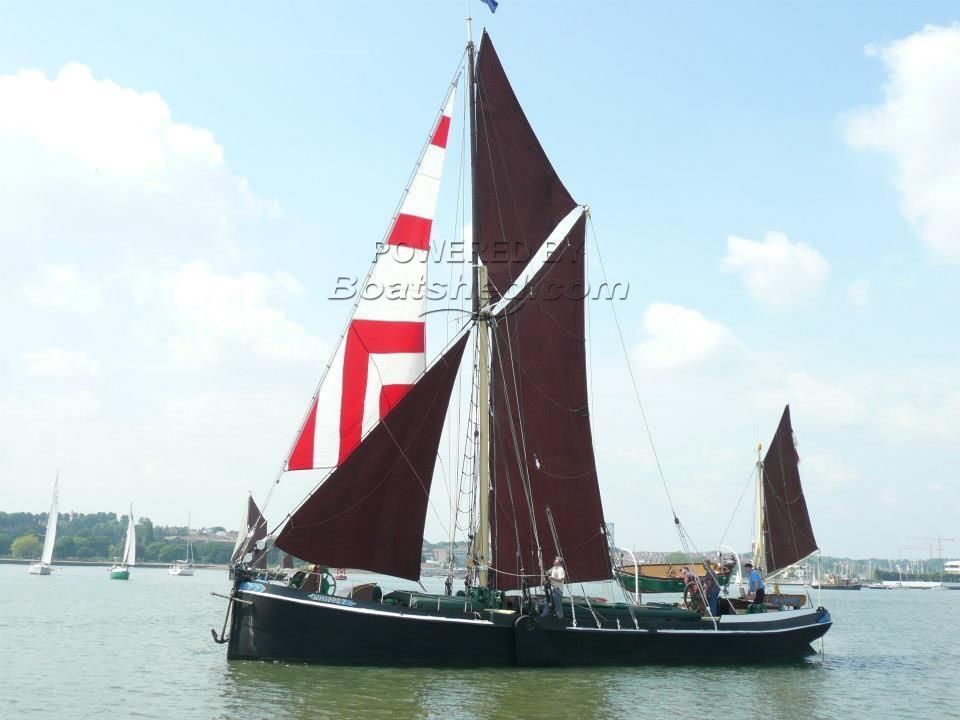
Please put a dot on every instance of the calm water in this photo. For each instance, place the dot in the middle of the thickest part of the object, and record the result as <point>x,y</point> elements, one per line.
<point>77,645</point>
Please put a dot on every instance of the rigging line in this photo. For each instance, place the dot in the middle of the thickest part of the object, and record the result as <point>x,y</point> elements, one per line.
<point>536,386</point>
<point>386,476</point>
<point>467,456</point>
<point>520,449</point>
<point>453,436</point>
<point>633,379</point>
<point>488,120</point>
<point>390,432</point>
<point>346,327</point>
<point>684,537</point>
<point>742,494</point>
<point>331,470</point>
<point>507,478</point>
<point>588,344</point>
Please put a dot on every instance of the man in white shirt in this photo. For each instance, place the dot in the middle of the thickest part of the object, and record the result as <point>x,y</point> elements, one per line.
<point>556,577</point>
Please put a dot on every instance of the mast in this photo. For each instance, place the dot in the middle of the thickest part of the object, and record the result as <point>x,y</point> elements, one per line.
<point>759,545</point>
<point>483,427</point>
<point>480,296</point>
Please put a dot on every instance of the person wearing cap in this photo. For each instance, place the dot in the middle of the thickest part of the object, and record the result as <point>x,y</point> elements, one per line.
<point>556,577</point>
<point>755,590</point>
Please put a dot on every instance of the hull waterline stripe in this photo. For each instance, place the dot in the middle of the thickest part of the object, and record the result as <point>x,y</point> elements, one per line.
<point>367,611</point>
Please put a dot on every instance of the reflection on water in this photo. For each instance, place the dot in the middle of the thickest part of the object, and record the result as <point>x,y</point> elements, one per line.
<point>277,690</point>
<point>291,691</point>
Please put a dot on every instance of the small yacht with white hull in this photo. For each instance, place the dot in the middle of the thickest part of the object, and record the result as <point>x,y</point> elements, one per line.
<point>44,566</point>
<point>128,558</point>
<point>184,568</point>
<point>375,424</point>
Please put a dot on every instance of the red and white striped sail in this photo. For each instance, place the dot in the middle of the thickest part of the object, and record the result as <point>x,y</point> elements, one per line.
<point>383,350</point>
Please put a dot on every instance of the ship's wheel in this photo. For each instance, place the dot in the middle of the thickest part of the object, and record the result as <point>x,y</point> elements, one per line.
<point>328,583</point>
<point>692,599</point>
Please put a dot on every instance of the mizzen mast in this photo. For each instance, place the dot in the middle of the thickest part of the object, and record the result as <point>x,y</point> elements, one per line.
<point>759,544</point>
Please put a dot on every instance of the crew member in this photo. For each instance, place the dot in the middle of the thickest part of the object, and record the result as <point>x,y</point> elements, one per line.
<point>556,577</point>
<point>755,590</point>
<point>711,586</point>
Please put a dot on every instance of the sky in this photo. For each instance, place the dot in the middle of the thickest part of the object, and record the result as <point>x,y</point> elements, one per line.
<point>181,185</point>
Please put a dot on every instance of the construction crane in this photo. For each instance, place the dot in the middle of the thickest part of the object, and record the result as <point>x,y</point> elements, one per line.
<point>939,544</point>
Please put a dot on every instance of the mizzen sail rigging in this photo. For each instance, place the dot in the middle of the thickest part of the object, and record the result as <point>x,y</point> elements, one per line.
<point>253,529</point>
<point>787,532</point>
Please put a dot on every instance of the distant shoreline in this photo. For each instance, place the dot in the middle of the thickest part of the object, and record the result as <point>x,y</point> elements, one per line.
<point>103,563</point>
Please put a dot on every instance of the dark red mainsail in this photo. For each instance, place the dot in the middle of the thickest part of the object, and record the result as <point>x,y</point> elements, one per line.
<point>520,199</point>
<point>369,513</point>
<point>787,530</point>
<point>542,454</point>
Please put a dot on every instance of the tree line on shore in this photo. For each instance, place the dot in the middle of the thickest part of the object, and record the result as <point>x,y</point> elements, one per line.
<point>99,536</point>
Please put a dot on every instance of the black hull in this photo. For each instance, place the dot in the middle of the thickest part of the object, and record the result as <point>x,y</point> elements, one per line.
<point>286,625</point>
<point>281,624</point>
<point>540,645</point>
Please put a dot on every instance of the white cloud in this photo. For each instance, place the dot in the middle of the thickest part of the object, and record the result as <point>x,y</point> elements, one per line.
<point>858,292</point>
<point>776,272</point>
<point>679,336</point>
<point>213,311</point>
<point>115,166</point>
<point>936,419</point>
<point>60,287</point>
<point>918,124</point>
<point>829,404</point>
<point>57,363</point>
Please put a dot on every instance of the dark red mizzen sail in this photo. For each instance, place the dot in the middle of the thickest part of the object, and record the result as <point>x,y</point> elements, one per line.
<point>788,533</point>
<point>369,512</point>
<point>541,428</point>
<point>254,529</point>
<point>520,198</point>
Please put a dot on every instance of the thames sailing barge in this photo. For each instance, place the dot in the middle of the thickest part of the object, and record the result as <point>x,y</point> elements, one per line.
<point>375,423</point>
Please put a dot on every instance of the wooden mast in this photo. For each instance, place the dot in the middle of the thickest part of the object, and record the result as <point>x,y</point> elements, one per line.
<point>759,545</point>
<point>481,542</point>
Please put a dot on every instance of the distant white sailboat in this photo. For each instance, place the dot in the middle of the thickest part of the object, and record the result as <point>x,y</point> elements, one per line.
<point>184,568</point>
<point>121,568</point>
<point>44,567</point>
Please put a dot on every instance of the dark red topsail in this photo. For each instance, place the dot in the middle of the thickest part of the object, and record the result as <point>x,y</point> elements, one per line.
<point>369,513</point>
<point>788,534</point>
<point>520,199</point>
<point>255,529</point>
<point>542,454</point>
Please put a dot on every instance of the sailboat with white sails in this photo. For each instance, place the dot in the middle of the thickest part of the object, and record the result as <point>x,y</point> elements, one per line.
<point>184,568</point>
<point>374,427</point>
<point>44,566</point>
<point>128,558</point>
